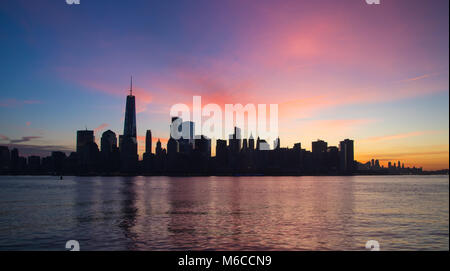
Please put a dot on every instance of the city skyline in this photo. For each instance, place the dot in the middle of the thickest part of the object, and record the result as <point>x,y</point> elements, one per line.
<point>375,73</point>
<point>190,154</point>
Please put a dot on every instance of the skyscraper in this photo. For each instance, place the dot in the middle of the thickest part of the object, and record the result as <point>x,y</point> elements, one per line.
<point>110,157</point>
<point>83,138</point>
<point>158,149</point>
<point>235,140</point>
<point>175,132</point>
<point>128,152</point>
<point>108,142</point>
<point>148,141</point>
<point>346,156</point>
<point>251,142</point>
<point>129,129</point>
<point>4,157</point>
<point>277,143</point>
<point>244,144</point>
<point>319,147</point>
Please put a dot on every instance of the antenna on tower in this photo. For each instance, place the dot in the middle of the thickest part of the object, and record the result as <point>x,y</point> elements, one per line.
<point>131,86</point>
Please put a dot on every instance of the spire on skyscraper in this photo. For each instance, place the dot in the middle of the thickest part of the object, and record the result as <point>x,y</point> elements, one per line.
<point>131,86</point>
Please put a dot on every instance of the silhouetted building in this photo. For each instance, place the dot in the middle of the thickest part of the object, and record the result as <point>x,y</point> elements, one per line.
<point>34,163</point>
<point>57,162</point>
<point>110,156</point>
<point>235,141</point>
<point>319,147</point>
<point>186,143</point>
<point>277,143</point>
<point>244,144</point>
<point>203,146</point>
<point>332,159</point>
<point>346,156</point>
<point>89,158</point>
<point>251,142</point>
<point>84,137</point>
<point>158,149</point>
<point>263,145</point>
<point>14,159</point>
<point>172,146</point>
<point>4,158</point>
<point>128,151</point>
<point>108,142</point>
<point>148,141</point>
<point>221,153</point>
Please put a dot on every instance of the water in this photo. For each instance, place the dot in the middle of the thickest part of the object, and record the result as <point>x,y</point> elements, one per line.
<point>225,213</point>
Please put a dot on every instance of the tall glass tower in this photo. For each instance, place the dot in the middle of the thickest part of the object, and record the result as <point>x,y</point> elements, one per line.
<point>129,128</point>
<point>128,151</point>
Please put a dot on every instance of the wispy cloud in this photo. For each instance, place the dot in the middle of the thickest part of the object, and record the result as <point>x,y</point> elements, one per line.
<point>420,77</point>
<point>101,127</point>
<point>15,141</point>
<point>398,136</point>
<point>24,139</point>
<point>4,138</point>
<point>16,102</point>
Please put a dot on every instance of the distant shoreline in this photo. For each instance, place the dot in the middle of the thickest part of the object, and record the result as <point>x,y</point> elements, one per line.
<point>425,173</point>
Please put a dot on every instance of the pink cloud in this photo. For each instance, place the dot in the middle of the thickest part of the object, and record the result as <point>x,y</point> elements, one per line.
<point>101,127</point>
<point>4,138</point>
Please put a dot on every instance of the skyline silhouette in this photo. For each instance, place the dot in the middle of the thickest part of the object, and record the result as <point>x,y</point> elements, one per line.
<point>191,155</point>
<point>377,74</point>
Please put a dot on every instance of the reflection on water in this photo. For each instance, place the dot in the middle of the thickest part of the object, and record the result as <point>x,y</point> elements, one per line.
<point>224,213</point>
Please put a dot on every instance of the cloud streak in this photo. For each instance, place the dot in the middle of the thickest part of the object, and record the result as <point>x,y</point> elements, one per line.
<point>398,136</point>
<point>24,139</point>
<point>17,103</point>
<point>101,127</point>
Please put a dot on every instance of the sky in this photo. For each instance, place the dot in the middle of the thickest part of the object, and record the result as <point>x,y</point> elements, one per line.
<point>377,74</point>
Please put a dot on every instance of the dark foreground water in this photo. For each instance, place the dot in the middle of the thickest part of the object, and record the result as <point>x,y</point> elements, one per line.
<point>225,213</point>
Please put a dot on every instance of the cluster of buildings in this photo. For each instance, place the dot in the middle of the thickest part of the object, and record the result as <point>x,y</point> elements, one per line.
<point>187,155</point>
<point>12,163</point>
<point>373,166</point>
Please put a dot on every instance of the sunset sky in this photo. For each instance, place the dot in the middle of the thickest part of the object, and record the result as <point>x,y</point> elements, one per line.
<point>378,74</point>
